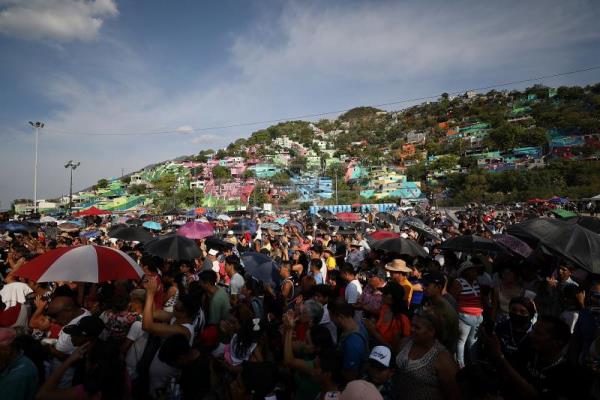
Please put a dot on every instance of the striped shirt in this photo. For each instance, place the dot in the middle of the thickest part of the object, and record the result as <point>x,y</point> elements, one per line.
<point>469,299</point>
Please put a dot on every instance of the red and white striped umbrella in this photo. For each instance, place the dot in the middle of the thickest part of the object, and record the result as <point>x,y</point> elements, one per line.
<point>81,264</point>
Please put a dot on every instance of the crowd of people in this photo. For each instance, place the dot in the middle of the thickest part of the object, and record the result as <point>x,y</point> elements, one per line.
<point>343,318</point>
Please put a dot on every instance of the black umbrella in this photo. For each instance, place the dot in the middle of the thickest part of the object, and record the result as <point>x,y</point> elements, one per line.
<point>174,211</point>
<point>173,247</point>
<point>513,244</point>
<point>214,242</point>
<point>130,233</point>
<point>591,223</point>
<point>419,226</point>
<point>564,237</point>
<point>362,225</point>
<point>400,246</point>
<point>385,217</point>
<point>470,243</point>
<point>340,224</point>
<point>261,267</point>
<point>134,222</point>
<point>325,213</point>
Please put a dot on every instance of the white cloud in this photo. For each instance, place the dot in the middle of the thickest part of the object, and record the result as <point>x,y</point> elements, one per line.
<point>62,20</point>
<point>185,129</point>
<point>308,60</point>
<point>206,139</point>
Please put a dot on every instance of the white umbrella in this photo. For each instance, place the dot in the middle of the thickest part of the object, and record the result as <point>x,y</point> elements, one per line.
<point>81,264</point>
<point>224,217</point>
<point>47,219</point>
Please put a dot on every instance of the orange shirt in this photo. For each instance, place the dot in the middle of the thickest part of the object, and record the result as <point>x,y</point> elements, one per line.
<point>396,325</point>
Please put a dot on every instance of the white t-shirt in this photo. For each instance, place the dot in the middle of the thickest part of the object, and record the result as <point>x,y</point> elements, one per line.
<point>64,344</point>
<point>139,337</point>
<point>236,284</point>
<point>215,266</point>
<point>353,290</point>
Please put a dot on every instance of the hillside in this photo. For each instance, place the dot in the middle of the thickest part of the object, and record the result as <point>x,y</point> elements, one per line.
<point>494,146</point>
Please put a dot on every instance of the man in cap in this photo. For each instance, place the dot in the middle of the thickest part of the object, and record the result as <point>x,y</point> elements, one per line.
<point>231,238</point>
<point>399,272</point>
<point>86,330</point>
<point>356,255</point>
<point>18,375</point>
<point>434,284</point>
<point>380,370</point>
<point>211,262</point>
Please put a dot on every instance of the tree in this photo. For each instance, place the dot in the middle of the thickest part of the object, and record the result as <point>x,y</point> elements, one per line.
<point>165,184</point>
<point>259,196</point>
<point>221,173</point>
<point>280,178</point>
<point>186,196</point>
<point>102,184</point>
<point>137,189</point>
<point>126,180</point>
<point>249,174</point>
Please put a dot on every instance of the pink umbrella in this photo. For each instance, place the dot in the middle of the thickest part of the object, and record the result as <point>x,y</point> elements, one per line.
<point>348,217</point>
<point>196,230</point>
<point>81,264</point>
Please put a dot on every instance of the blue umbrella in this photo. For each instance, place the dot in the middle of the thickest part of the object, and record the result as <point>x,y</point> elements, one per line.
<point>77,222</point>
<point>261,267</point>
<point>155,226</point>
<point>296,224</point>
<point>17,227</point>
<point>281,221</point>
<point>245,225</point>
<point>90,234</point>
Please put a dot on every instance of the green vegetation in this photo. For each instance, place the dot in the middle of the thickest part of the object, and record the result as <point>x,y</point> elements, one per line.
<point>221,173</point>
<point>575,179</point>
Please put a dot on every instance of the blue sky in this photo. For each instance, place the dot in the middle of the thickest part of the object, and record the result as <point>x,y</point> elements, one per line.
<point>125,66</point>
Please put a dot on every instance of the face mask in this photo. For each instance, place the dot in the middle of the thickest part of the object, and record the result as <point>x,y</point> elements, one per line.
<point>519,320</point>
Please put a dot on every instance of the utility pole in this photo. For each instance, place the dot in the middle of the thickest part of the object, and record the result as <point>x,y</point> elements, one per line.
<point>122,171</point>
<point>71,165</point>
<point>336,187</point>
<point>36,125</point>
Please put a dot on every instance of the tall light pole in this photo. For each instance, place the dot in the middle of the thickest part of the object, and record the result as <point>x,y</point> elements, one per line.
<point>71,165</point>
<point>36,125</point>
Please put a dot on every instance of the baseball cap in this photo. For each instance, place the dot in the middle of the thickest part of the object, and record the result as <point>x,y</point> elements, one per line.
<point>229,233</point>
<point>434,277</point>
<point>213,252</point>
<point>382,355</point>
<point>89,326</point>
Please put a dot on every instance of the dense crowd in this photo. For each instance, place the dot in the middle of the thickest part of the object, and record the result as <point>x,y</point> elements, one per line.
<point>342,318</point>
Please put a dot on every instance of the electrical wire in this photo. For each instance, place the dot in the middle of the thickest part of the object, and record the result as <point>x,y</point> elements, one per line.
<point>315,115</point>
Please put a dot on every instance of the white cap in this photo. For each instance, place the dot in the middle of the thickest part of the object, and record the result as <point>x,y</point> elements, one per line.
<point>381,354</point>
<point>229,233</point>
<point>213,252</point>
<point>309,237</point>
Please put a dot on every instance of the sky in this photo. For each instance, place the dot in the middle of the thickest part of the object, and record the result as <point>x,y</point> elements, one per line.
<point>106,77</point>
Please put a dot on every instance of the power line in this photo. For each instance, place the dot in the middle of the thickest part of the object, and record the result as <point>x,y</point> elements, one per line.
<point>320,114</point>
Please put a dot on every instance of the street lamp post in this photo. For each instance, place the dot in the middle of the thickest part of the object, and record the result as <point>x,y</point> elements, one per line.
<point>36,125</point>
<point>71,165</point>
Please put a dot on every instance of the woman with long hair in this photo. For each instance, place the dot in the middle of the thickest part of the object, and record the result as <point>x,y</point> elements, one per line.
<point>392,324</point>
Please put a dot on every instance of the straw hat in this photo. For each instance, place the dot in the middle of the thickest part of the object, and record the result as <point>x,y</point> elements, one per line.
<point>397,265</point>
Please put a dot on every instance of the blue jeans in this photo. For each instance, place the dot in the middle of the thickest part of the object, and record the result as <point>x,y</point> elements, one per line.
<point>468,325</point>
